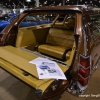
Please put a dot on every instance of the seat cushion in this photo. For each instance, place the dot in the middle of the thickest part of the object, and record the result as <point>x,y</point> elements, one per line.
<point>55,51</point>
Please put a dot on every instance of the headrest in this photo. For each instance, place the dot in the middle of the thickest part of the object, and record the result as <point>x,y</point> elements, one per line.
<point>71,23</point>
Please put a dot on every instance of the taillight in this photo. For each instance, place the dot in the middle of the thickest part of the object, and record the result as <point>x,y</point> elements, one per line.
<point>85,61</point>
<point>82,81</point>
<point>84,70</point>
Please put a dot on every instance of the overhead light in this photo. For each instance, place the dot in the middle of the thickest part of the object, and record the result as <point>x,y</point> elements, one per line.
<point>28,0</point>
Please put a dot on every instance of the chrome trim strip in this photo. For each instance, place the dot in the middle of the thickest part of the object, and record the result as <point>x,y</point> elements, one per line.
<point>83,77</point>
<point>85,43</point>
<point>82,87</point>
<point>84,67</point>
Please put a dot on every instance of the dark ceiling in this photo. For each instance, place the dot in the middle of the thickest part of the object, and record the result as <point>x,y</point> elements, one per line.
<point>17,3</point>
<point>20,3</point>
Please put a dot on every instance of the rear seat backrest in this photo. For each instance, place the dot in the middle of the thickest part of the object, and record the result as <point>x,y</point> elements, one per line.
<point>60,37</point>
<point>25,38</point>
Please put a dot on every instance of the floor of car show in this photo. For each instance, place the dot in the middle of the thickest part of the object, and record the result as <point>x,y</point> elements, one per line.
<point>13,89</point>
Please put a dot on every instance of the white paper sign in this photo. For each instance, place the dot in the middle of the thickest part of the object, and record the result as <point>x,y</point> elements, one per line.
<point>48,69</point>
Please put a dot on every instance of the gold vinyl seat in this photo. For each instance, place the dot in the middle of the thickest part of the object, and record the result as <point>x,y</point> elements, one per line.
<point>58,43</point>
<point>55,51</point>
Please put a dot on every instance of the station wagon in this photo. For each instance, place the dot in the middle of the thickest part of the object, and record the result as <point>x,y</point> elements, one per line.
<point>72,40</point>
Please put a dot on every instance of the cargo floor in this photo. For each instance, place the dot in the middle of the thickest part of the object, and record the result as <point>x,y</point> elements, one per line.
<point>13,89</point>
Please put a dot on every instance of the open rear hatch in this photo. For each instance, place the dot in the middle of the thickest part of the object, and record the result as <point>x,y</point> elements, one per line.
<point>16,61</point>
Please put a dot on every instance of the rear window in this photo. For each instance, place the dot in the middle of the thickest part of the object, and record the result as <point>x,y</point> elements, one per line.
<point>94,26</point>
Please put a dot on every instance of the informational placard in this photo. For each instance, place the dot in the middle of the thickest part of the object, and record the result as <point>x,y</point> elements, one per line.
<point>47,69</point>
